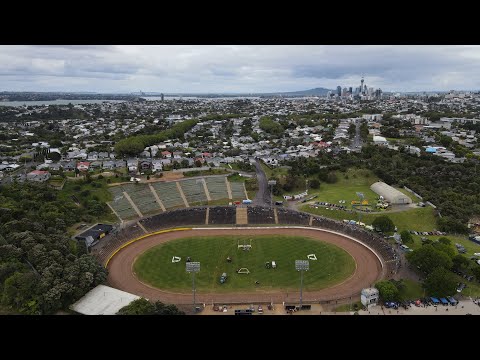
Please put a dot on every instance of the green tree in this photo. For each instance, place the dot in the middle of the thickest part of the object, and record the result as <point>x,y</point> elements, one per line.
<point>384,223</point>
<point>440,282</point>
<point>331,178</point>
<point>407,238</point>
<point>447,249</point>
<point>138,307</point>
<point>351,131</point>
<point>444,240</point>
<point>314,184</point>
<point>476,272</point>
<point>460,262</point>
<point>388,291</point>
<point>427,259</point>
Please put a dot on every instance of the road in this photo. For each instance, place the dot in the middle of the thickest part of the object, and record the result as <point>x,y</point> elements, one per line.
<point>262,198</point>
<point>357,140</point>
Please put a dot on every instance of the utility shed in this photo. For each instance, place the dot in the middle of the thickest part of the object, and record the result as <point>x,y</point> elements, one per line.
<point>103,300</point>
<point>390,194</point>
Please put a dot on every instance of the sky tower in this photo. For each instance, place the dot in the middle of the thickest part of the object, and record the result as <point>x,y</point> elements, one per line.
<point>361,86</point>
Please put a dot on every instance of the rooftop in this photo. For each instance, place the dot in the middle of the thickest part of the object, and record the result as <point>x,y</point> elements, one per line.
<point>103,300</point>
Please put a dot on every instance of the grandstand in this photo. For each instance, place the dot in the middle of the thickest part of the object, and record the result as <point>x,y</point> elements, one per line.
<point>217,187</point>
<point>286,216</point>
<point>180,217</point>
<point>238,190</point>
<point>260,215</point>
<point>168,194</point>
<point>143,198</point>
<point>194,191</point>
<point>222,215</point>
<point>120,204</point>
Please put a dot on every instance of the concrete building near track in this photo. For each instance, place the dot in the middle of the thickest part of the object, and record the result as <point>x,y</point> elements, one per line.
<point>390,194</point>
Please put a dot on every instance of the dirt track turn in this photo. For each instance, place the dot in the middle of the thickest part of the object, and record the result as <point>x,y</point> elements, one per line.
<point>368,270</point>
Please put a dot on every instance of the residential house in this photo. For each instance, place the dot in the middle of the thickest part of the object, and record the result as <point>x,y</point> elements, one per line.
<point>108,165</point>
<point>132,165</point>
<point>92,156</point>
<point>166,154</point>
<point>157,165</point>
<point>145,165</point>
<point>103,155</point>
<point>83,165</point>
<point>177,155</point>
<point>68,165</point>
<point>38,176</point>
<point>96,164</point>
<point>120,164</point>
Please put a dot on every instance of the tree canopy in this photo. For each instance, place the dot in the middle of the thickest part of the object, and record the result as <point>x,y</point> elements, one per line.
<point>41,270</point>
<point>440,282</point>
<point>428,258</point>
<point>388,291</point>
<point>384,223</point>
<point>144,307</point>
<point>133,145</point>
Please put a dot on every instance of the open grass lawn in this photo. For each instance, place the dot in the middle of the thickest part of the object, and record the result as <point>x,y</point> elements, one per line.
<point>155,266</point>
<point>411,291</point>
<point>420,219</point>
<point>346,188</point>
<point>349,307</point>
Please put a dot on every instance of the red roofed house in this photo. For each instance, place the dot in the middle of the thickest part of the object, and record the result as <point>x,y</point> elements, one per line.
<point>166,154</point>
<point>83,165</point>
<point>38,175</point>
<point>206,154</point>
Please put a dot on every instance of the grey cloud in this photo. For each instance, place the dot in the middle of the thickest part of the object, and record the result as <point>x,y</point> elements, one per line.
<point>238,68</point>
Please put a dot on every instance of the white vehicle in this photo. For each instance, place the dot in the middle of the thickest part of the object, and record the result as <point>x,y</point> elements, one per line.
<point>274,264</point>
<point>476,254</point>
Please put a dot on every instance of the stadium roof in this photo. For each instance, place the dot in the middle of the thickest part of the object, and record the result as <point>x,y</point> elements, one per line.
<point>103,300</point>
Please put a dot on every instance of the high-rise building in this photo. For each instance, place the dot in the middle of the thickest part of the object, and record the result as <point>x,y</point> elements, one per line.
<point>361,85</point>
<point>350,90</point>
<point>339,90</point>
<point>161,96</point>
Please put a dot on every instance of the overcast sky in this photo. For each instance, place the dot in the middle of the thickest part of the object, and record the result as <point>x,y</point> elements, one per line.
<point>237,68</point>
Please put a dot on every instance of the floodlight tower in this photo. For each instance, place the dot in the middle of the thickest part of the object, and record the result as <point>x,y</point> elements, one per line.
<point>361,196</point>
<point>271,183</point>
<point>193,267</point>
<point>301,265</point>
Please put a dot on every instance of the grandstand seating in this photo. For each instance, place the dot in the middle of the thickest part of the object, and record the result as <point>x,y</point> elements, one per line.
<point>222,215</point>
<point>260,215</point>
<point>179,217</point>
<point>193,191</point>
<point>143,198</point>
<point>168,194</point>
<point>217,187</point>
<point>286,216</point>
<point>120,204</point>
<point>238,190</point>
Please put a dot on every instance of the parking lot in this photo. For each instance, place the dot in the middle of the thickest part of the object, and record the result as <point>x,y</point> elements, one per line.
<point>464,307</point>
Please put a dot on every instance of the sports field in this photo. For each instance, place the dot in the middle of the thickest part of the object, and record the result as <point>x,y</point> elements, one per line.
<point>155,267</point>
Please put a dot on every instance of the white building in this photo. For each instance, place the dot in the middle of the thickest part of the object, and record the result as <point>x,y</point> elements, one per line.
<point>369,296</point>
<point>379,140</point>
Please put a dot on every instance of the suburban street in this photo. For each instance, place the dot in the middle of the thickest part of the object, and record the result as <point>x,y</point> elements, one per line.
<point>357,140</point>
<point>262,198</point>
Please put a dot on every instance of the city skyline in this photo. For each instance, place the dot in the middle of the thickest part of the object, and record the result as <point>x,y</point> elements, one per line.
<point>237,68</point>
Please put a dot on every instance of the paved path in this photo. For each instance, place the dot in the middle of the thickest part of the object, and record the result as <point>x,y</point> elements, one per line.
<point>262,198</point>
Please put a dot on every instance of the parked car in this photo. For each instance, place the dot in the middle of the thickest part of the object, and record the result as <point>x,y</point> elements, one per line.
<point>223,278</point>
<point>460,287</point>
<point>260,309</point>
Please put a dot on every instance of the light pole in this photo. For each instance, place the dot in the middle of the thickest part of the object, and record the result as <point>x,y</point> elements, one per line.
<point>301,265</point>
<point>271,183</point>
<point>200,181</point>
<point>193,267</point>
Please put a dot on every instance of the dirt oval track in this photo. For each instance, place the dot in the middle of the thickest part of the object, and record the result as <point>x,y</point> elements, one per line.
<point>368,270</point>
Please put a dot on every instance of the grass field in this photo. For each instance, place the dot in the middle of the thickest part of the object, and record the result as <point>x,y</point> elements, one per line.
<point>411,291</point>
<point>155,266</point>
